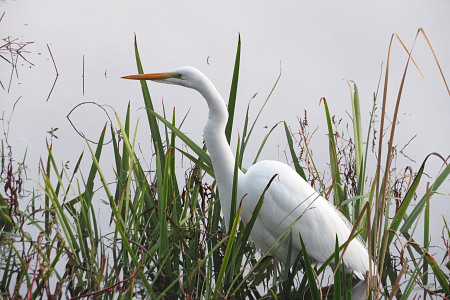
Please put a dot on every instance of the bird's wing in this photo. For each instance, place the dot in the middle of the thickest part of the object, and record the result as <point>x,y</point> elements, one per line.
<point>291,203</point>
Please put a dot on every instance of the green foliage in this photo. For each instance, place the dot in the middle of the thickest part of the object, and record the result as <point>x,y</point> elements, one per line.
<point>233,92</point>
<point>167,238</point>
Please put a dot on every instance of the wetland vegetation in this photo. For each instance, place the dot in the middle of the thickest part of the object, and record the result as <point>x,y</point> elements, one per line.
<point>167,238</point>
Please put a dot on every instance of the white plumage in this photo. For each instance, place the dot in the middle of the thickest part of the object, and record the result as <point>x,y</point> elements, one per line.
<point>290,202</point>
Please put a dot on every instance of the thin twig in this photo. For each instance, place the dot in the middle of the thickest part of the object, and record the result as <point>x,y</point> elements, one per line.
<point>54,64</point>
<point>111,287</point>
<point>53,86</point>
<point>79,132</point>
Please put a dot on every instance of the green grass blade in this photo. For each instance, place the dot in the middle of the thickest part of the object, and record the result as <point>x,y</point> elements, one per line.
<point>93,171</point>
<point>420,205</point>
<point>227,253</point>
<point>154,129</point>
<point>309,272</point>
<point>440,276</point>
<point>297,166</point>
<point>245,142</point>
<point>199,162</point>
<point>401,212</point>
<point>234,199</point>
<point>193,146</point>
<point>334,163</point>
<point>6,224</point>
<point>163,190</point>
<point>426,240</point>
<point>359,151</point>
<point>244,134</point>
<point>245,232</point>
<point>120,225</point>
<point>65,223</point>
<point>263,143</point>
<point>337,273</point>
<point>357,132</point>
<point>233,92</point>
<point>138,172</point>
<point>7,269</point>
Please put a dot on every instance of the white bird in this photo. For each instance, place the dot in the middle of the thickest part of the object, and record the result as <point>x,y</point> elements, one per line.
<point>289,202</point>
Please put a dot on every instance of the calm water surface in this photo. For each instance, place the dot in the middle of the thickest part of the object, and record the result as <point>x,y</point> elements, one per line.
<point>317,46</point>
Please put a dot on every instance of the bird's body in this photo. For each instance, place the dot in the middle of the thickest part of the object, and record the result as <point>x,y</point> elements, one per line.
<point>289,202</point>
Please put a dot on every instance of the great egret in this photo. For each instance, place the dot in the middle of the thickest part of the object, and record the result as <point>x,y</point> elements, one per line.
<point>289,201</point>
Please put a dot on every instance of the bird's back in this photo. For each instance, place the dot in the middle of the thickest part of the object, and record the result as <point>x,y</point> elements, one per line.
<point>291,203</point>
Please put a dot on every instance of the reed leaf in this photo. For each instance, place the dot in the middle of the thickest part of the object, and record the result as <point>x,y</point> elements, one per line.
<point>233,92</point>
<point>154,129</point>
<point>294,157</point>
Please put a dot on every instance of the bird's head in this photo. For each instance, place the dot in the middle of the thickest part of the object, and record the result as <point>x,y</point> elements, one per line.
<point>185,76</point>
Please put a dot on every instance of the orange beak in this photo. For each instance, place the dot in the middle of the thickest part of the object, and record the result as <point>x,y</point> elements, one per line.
<point>152,76</point>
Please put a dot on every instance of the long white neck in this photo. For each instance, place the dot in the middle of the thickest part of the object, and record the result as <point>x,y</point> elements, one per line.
<point>221,155</point>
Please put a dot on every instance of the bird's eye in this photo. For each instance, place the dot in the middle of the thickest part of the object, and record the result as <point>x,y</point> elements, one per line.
<point>179,75</point>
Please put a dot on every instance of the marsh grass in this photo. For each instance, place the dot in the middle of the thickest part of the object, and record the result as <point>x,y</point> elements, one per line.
<point>167,238</point>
